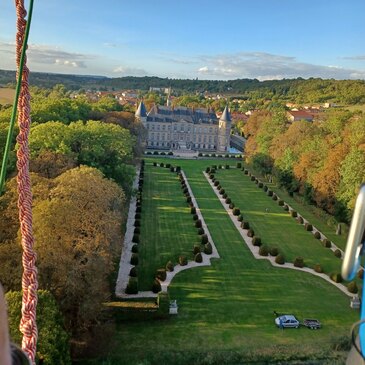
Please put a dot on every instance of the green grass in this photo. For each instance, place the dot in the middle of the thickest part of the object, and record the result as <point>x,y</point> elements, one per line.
<point>167,229</point>
<point>276,227</point>
<point>226,310</point>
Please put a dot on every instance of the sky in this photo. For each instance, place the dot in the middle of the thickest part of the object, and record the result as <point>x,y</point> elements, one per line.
<point>204,39</point>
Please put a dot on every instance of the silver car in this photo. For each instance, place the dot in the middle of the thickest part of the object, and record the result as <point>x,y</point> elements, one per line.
<point>287,321</point>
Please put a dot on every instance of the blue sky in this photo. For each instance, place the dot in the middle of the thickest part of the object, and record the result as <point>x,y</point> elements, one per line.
<point>205,39</point>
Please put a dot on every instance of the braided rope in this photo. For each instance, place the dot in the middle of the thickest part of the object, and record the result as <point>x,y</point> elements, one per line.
<point>28,325</point>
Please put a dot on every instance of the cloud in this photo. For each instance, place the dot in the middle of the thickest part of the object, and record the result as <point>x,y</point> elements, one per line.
<point>355,58</point>
<point>266,66</point>
<point>130,71</point>
<point>110,45</point>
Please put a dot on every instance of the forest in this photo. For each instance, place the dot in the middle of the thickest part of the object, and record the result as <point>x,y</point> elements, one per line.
<point>323,161</point>
<point>82,165</point>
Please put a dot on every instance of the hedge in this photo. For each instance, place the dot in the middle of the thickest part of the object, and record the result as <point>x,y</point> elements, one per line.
<point>256,241</point>
<point>240,218</point>
<point>204,239</point>
<point>236,211</point>
<point>208,249</point>
<point>132,286</point>
<point>193,210</point>
<point>250,232</point>
<point>317,235</point>
<point>133,272</point>
<point>308,227</point>
<point>169,266</point>
<point>135,238</point>
<point>156,286</point>
<point>198,223</point>
<point>274,251</point>
<point>300,220</point>
<point>352,287</point>
<point>183,260</point>
<point>196,249</point>
<point>263,250</point>
<point>201,231</point>
<point>161,274</point>
<point>337,253</point>
<point>279,259</point>
<point>231,206</point>
<point>134,259</point>
<point>228,200</point>
<point>281,202</point>
<point>299,262</point>
<point>245,225</point>
<point>135,248</point>
<point>336,277</point>
<point>270,193</point>
<point>318,268</point>
<point>198,258</point>
<point>294,213</point>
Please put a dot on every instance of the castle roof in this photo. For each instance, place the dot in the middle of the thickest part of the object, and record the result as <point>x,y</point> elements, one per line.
<point>225,117</point>
<point>141,111</point>
<point>169,114</point>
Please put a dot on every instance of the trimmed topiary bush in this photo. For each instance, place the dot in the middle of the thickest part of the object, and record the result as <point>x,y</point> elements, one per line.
<point>155,163</point>
<point>203,239</point>
<point>132,286</point>
<point>260,185</point>
<point>360,274</point>
<point>318,268</point>
<point>281,202</point>
<point>169,266</point>
<point>300,220</point>
<point>138,209</point>
<point>317,235</point>
<point>183,261</point>
<point>137,230</point>
<point>198,223</point>
<point>256,241</point>
<point>193,210</point>
<point>228,200</point>
<point>252,178</point>
<point>196,249</point>
<point>239,165</point>
<point>256,181</point>
<point>201,231</point>
<point>188,199</point>
<point>266,188</point>
<point>162,164</point>
<point>274,197</point>
<point>208,249</point>
<point>274,251</point>
<point>280,259</point>
<point>137,216</point>
<point>270,193</point>
<point>225,195</point>
<point>168,165</point>
<point>161,274</point>
<point>336,277</point>
<point>337,253</point>
<point>198,258</point>
<point>135,238</point>
<point>172,168</point>
<point>308,227</point>
<point>236,211</point>
<point>135,248</point>
<point>231,205</point>
<point>294,213</point>
<point>133,272</point>
<point>221,191</point>
<point>245,172</point>
<point>299,262</point>
<point>245,225</point>
<point>211,176</point>
<point>185,191</point>
<point>134,259</point>
<point>156,286</point>
<point>240,218</point>
<point>286,207</point>
<point>352,287</point>
<point>250,232</point>
<point>263,250</point>
<point>207,170</point>
<point>216,182</point>
<point>326,243</point>
<point>195,217</point>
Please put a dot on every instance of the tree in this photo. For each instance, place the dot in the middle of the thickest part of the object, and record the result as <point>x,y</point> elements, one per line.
<point>53,342</point>
<point>78,238</point>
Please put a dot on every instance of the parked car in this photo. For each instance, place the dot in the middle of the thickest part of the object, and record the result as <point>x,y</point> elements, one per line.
<point>313,324</point>
<point>287,321</point>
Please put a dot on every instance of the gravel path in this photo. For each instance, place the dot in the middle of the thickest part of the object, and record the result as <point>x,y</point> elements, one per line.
<point>125,266</point>
<point>255,250</point>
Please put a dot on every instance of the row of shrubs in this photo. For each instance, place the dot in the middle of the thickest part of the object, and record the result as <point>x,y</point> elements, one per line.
<point>132,286</point>
<point>200,154</point>
<point>163,153</point>
<point>172,168</point>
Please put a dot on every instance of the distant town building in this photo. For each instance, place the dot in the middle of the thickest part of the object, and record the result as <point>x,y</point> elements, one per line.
<point>182,128</point>
<point>296,115</point>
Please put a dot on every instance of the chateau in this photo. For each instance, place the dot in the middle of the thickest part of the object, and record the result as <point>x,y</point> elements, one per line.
<point>182,128</point>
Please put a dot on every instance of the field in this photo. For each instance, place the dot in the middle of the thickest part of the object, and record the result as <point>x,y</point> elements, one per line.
<point>226,310</point>
<point>6,95</point>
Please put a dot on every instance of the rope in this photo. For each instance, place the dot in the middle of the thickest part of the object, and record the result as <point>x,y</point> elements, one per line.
<point>28,326</point>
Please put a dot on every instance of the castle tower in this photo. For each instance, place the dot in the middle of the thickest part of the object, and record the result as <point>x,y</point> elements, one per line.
<point>224,131</point>
<point>141,113</point>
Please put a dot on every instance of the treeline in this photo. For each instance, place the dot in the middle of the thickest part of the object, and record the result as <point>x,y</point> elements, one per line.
<point>81,172</point>
<point>313,90</point>
<point>324,161</point>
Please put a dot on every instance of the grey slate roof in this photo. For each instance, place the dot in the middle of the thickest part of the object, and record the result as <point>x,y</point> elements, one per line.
<point>141,111</point>
<point>170,115</point>
<point>225,117</point>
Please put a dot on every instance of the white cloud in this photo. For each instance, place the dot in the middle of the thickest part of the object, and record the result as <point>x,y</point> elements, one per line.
<point>129,71</point>
<point>266,66</point>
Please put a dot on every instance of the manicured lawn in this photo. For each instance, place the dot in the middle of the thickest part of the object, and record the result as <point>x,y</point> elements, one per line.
<point>275,227</point>
<point>167,229</point>
<point>226,310</point>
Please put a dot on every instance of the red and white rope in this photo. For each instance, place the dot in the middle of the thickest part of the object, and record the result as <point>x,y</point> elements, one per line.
<point>28,325</point>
